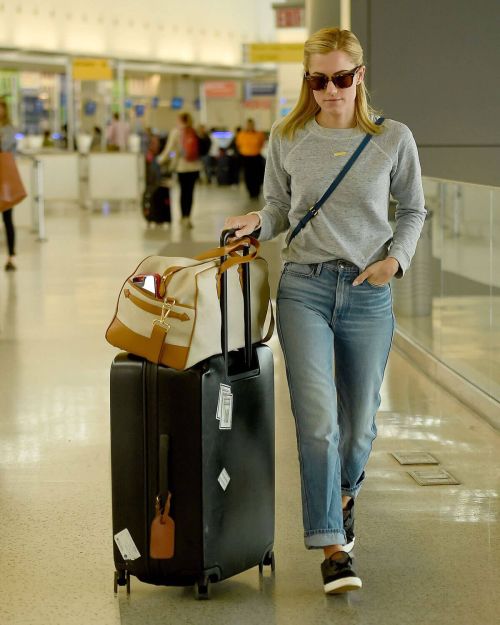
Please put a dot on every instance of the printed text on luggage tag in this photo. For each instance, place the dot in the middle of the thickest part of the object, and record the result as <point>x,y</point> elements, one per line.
<point>126,545</point>
<point>225,407</point>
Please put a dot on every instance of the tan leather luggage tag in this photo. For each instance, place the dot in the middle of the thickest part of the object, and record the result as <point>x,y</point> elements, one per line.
<point>162,543</point>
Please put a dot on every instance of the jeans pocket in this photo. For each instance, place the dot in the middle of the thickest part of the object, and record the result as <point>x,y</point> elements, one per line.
<point>300,270</point>
<point>376,286</point>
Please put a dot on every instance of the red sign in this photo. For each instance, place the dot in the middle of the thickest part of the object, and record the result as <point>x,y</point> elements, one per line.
<point>220,89</point>
<point>261,103</point>
<point>290,17</point>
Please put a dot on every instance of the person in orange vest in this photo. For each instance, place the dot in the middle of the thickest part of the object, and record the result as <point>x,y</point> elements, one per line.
<point>250,143</point>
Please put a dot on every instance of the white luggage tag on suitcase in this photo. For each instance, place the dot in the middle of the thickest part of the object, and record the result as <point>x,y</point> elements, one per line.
<point>225,407</point>
<point>127,546</point>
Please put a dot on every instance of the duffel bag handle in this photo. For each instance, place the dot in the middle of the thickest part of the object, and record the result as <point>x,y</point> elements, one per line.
<point>221,252</point>
<point>228,249</point>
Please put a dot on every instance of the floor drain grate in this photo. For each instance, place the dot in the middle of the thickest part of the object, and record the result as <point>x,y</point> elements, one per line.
<point>414,457</point>
<point>433,477</point>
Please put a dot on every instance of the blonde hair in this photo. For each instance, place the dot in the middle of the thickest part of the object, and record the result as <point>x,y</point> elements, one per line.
<point>323,42</point>
<point>6,121</point>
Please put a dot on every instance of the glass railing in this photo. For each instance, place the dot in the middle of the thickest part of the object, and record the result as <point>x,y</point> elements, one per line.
<point>449,300</point>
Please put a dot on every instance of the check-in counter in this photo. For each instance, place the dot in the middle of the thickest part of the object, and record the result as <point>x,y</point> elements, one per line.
<point>79,179</point>
<point>114,176</point>
<point>60,180</point>
<point>61,176</point>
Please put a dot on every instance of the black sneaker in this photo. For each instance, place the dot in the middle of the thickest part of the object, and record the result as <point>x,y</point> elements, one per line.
<point>348,513</point>
<point>338,575</point>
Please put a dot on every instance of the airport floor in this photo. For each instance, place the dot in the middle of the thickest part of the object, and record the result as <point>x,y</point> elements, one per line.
<point>426,554</point>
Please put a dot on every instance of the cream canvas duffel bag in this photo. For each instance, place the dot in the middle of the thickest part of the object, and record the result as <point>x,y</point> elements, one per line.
<point>168,310</point>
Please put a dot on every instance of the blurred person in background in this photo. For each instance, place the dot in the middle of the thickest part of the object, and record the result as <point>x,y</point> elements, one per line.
<point>117,134</point>
<point>8,144</point>
<point>249,143</point>
<point>183,151</point>
<point>96,145</point>
<point>205,142</point>
<point>146,137</point>
<point>235,155</point>
<point>48,142</point>
<point>213,154</point>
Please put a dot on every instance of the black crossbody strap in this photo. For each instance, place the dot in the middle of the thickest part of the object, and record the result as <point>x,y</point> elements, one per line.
<point>313,211</point>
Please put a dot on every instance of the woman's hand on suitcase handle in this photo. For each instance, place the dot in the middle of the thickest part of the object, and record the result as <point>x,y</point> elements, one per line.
<point>244,224</point>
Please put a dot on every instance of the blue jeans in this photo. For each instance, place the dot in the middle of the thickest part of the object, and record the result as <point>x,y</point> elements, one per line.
<point>336,340</point>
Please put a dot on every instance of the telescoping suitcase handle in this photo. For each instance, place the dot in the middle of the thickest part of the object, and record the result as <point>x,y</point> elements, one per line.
<point>245,268</point>
<point>163,477</point>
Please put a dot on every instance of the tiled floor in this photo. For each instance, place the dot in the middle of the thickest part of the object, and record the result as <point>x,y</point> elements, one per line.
<point>427,555</point>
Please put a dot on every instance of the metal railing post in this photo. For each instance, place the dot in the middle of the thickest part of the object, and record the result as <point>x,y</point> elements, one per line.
<point>40,199</point>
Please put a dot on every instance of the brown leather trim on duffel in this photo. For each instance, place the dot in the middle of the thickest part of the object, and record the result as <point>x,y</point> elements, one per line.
<point>153,298</point>
<point>156,343</point>
<point>166,278</point>
<point>122,337</point>
<point>174,356</point>
<point>118,299</point>
<point>152,308</point>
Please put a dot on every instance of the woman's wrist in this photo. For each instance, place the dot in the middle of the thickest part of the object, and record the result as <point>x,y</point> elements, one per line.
<point>394,262</point>
<point>259,219</point>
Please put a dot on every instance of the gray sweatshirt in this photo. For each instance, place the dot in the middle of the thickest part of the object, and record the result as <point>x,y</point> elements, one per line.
<point>353,223</point>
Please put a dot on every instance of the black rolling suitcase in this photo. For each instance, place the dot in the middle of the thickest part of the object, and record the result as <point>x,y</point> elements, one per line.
<point>172,435</point>
<point>223,169</point>
<point>156,197</point>
<point>156,204</point>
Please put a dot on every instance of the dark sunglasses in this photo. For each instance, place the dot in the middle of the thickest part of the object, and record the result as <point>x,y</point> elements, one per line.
<point>341,81</point>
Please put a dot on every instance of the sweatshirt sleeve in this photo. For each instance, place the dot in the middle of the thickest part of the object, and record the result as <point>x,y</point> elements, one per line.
<point>406,189</point>
<point>170,146</point>
<point>274,215</point>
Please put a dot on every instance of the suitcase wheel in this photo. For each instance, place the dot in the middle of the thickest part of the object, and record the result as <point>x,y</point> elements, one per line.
<point>122,578</point>
<point>267,560</point>
<point>202,588</point>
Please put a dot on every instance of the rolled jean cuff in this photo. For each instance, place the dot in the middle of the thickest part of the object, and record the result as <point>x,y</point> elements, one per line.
<point>317,539</point>
<point>353,492</point>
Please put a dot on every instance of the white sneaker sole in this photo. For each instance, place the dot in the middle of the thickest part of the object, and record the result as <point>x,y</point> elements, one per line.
<point>349,547</point>
<point>343,585</point>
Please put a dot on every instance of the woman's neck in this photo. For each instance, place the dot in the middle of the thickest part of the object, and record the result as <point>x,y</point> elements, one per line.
<point>336,121</point>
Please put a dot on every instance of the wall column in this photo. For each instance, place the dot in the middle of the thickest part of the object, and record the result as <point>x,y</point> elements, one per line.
<point>325,13</point>
<point>70,106</point>
<point>120,77</point>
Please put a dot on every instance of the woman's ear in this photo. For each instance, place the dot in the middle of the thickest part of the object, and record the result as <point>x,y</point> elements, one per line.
<point>360,74</point>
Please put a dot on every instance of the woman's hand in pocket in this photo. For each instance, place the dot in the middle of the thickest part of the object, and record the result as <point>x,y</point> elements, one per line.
<point>379,273</point>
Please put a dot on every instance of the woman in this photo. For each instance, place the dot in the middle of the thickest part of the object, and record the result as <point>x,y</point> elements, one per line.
<point>183,141</point>
<point>335,320</point>
<point>8,144</point>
